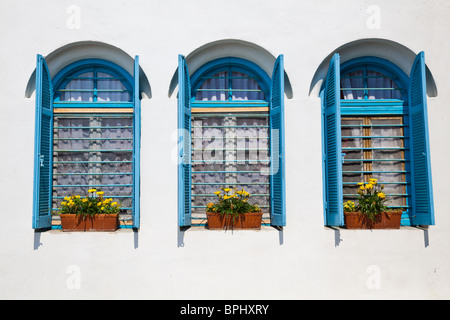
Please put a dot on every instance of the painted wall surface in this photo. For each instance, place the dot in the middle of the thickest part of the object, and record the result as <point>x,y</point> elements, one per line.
<point>305,259</point>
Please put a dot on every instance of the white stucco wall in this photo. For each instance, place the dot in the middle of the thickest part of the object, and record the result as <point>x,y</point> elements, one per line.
<point>305,260</point>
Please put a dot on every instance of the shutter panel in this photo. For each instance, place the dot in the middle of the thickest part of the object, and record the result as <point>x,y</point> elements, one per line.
<point>333,151</point>
<point>136,146</point>
<point>184,144</point>
<point>421,193</point>
<point>277,149</point>
<point>43,147</point>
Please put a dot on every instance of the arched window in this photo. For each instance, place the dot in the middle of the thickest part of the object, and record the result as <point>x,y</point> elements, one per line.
<point>89,128</point>
<point>229,121</point>
<point>375,127</point>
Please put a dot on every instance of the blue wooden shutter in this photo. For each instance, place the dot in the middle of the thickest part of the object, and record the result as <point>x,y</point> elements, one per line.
<point>277,149</point>
<point>136,146</point>
<point>43,146</point>
<point>184,144</point>
<point>421,193</point>
<point>333,150</point>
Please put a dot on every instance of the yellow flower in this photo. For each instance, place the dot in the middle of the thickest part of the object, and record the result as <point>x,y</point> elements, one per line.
<point>99,204</point>
<point>226,189</point>
<point>100,193</point>
<point>92,190</point>
<point>217,192</point>
<point>63,203</point>
<point>114,203</point>
<point>102,208</point>
<point>78,197</point>
<point>362,188</point>
<point>361,183</point>
<point>227,197</point>
<point>369,186</point>
<point>381,195</point>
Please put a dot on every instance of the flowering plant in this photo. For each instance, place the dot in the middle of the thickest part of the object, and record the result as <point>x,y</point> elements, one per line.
<point>92,204</point>
<point>371,200</point>
<point>232,203</point>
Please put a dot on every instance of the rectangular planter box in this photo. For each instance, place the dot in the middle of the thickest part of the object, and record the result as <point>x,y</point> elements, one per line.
<point>99,222</point>
<point>385,220</point>
<point>251,220</point>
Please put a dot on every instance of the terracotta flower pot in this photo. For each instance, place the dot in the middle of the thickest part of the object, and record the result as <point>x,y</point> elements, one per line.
<point>384,220</point>
<point>98,222</point>
<point>106,222</point>
<point>251,220</point>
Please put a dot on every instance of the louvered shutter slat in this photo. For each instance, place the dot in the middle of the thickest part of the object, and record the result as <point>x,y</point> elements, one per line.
<point>136,147</point>
<point>333,150</point>
<point>184,144</point>
<point>422,194</point>
<point>277,149</point>
<point>43,147</point>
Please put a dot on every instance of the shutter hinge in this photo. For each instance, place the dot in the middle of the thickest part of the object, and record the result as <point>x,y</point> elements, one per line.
<point>41,160</point>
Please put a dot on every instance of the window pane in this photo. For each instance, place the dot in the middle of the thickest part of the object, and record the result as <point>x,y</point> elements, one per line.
<point>379,144</point>
<point>93,150</point>
<point>81,89</point>
<point>214,88</point>
<point>353,80</point>
<point>116,91</point>
<point>351,167</point>
<point>380,81</point>
<point>95,86</point>
<point>368,84</point>
<point>245,87</point>
<point>220,87</point>
<point>229,151</point>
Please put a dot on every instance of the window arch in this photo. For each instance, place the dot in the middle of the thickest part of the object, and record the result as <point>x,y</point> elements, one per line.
<point>230,79</point>
<point>93,81</point>
<point>232,123</point>
<point>373,130</point>
<point>372,79</point>
<point>90,129</point>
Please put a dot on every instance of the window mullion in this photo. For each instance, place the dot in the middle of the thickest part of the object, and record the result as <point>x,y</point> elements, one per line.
<point>95,84</point>
<point>230,83</point>
<point>365,85</point>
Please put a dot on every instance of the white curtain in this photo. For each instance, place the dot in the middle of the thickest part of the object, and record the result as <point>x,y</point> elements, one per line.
<point>243,88</point>
<point>87,85</point>
<point>374,80</point>
<point>241,146</point>
<point>74,136</point>
<point>111,84</point>
<point>82,90</point>
<point>379,153</point>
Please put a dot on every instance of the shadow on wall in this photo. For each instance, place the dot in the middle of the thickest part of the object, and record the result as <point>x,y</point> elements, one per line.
<point>392,51</point>
<point>73,52</point>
